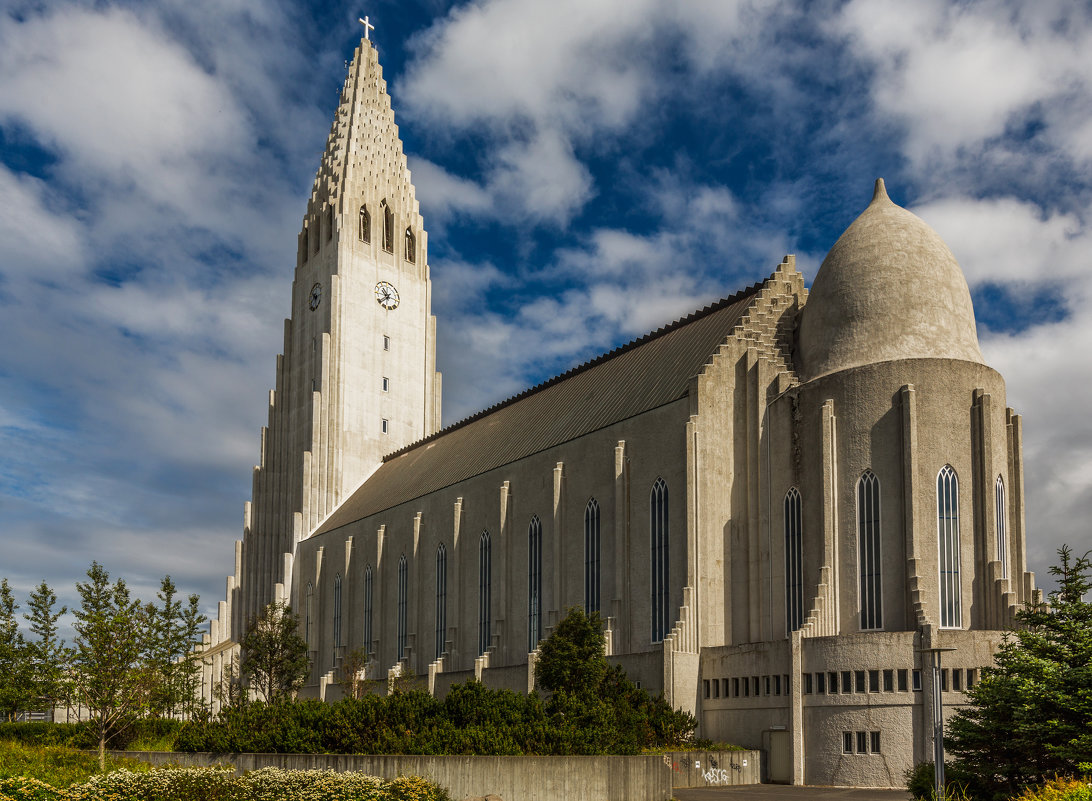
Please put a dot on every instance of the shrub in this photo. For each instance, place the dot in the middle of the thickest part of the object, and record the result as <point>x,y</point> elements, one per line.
<point>1059,789</point>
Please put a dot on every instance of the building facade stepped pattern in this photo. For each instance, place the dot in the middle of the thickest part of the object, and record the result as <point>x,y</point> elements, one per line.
<point>778,504</point>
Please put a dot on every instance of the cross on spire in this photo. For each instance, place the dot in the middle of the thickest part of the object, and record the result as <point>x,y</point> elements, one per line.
<point>367,26</point>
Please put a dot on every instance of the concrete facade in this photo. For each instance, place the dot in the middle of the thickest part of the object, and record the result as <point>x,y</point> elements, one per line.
<point>781,486</point>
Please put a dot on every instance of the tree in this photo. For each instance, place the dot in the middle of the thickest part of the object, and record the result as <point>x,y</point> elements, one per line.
<point>275,663</point>
<point>572,658</point>
<point>110,675</point>
<point>354,682</point>
<point>14,689</point>
<point>1030,716</point>
<point>47,652</point>
<point>174,632</point>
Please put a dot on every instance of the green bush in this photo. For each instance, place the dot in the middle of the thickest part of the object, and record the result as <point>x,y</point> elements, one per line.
<point>1059,789</point>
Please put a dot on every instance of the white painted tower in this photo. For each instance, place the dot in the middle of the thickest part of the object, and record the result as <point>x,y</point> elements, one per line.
<point>357,378</point>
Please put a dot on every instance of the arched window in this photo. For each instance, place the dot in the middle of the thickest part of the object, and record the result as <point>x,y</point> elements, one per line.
<point>308,613</point>
<point>388,227</point>
<point>441,598</point>
<point>365,227</point>
<point>868,550</point>
<point>403,589</point>
<point>485,569</point>
<point>329,223</point>
<point>591,557</point>
<point>951,598</point>
<point>337,612</point>
<point>794,562</point>
<point>1002,530</point>
<point>411,247</point>
<point>660,560</point>
<point>534,583</point>
<point>368,610</point>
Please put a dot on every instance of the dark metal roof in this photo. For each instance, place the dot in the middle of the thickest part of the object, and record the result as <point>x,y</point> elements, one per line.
<point>642,375</point>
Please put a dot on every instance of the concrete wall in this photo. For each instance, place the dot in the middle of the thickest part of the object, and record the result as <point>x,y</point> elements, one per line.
<point>714,768</point>
<point>530,778</point>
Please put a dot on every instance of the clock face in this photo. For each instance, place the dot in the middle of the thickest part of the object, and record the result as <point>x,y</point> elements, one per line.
<point>386,295</point>
<point>316,296</point>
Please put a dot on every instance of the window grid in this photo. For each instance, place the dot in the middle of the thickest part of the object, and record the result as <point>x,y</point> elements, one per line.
<point>484,590</point>
<point>368,609</point>
<point>591,557</point>
<point>337,612</point>
<point>868,540</point>
<point>951,607</point>
<point>441,598</point>
<point>534,583</point>
<point>403,581</point>
<point>1002,532</point>
<point>658,526</point>
<point>794,567</point>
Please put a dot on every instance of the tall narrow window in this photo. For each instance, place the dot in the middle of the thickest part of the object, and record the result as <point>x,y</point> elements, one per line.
<point>411,246</point>
<point>1002,530</point>
<point>794,567</point>
<point>403,589</point>
<point>868,550</point>
<point>337,613</point>
<point>388,227</point>
<point>316,236</point>
<point>308,613</point>
<point>365,227</point>
<point>659,536</point>
<point>485,565</point>
<point>368,610</point>
<point>591,557</point>
<point>534,583</point>
<point>951,606</point>
<point>329,223</point>
<point>441,598</point>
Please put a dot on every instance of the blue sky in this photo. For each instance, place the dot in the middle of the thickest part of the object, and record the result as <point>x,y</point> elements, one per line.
<point>587,171</point>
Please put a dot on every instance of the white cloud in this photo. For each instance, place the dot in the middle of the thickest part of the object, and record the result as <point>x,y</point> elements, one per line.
<point>35,242</point>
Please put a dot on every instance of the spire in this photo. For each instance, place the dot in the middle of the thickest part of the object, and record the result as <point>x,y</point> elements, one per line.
<point>879,194</point>
<point>363,156</point>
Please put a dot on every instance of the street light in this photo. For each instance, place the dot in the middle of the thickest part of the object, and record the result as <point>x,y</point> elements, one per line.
<point>938,720</point>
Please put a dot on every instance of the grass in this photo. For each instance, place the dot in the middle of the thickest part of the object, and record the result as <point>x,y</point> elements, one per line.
<point>55,764</point>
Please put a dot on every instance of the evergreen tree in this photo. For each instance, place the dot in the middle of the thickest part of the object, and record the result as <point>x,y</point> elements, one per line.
<point>275,663</point>
<point>14,673</point>
<point>110,673</point>
<point>175,630</point>
<point>1030,716</point>
<point>572,658</point>
<point>47,651</point>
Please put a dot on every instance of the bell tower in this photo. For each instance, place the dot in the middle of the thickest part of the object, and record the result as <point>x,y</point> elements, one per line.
<point>357,378</point>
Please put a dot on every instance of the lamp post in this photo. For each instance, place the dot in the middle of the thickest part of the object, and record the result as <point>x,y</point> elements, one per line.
<point>938,721</point>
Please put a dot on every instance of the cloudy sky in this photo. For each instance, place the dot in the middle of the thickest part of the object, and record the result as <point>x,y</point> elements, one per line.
<point>587,171</point>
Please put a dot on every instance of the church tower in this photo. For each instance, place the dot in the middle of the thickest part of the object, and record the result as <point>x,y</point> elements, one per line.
<point>357,378</point>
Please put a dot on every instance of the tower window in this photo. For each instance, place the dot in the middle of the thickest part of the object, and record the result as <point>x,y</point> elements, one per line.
<point>951,608</point>
<point>329,223</point>
<point>534,583</point>
<point>388,227</point>
<point>386,342</point>
<point>386,384</point>
<point>1002,534</point>
<point>315,237</point>
<point>659,562</point>
<point>411,247</point>
<point>385,425</point>
<point>591,557</point>
<point>868,550</point>
<point>794,567</point>
<point>365,225</point>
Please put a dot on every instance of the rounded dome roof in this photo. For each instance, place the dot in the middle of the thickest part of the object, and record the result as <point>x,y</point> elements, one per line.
<point>888,289</point>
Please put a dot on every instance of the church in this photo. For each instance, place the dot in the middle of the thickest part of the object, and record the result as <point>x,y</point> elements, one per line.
<point>784,506</point>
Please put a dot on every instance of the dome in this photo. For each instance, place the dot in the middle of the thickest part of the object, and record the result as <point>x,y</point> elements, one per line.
<point>888,289</point>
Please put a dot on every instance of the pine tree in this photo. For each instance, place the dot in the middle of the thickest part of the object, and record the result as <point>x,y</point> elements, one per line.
<point>275,663</point>
<point>1030,716</point>
<point>110,674</point>
<point>14,667</point>
<point>47,651</point>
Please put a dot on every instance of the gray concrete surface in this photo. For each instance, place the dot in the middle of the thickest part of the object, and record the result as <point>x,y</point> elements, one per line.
<point>782,792</point>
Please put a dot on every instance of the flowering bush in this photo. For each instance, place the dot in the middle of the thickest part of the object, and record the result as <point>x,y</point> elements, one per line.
<point>221,784</point>
<point>1059,789</point>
